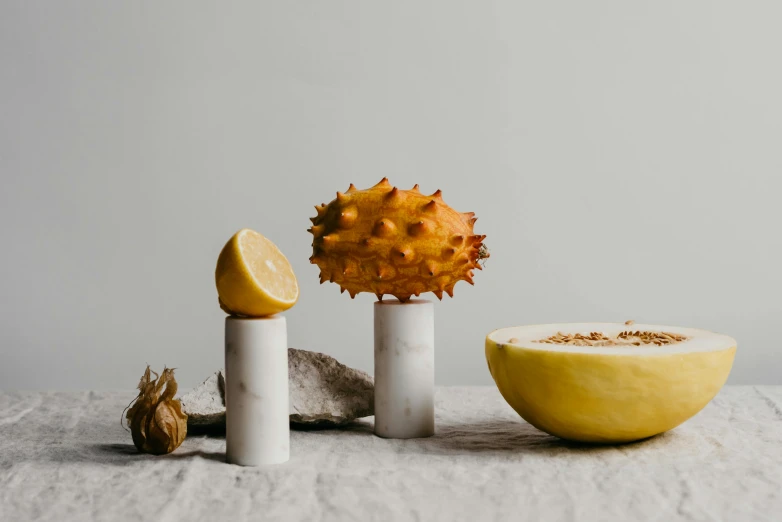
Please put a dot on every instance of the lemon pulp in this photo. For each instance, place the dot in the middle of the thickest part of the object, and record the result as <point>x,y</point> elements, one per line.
<point>253,277</point>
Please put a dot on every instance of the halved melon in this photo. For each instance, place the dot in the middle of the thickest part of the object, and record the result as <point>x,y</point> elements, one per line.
<point>608,382</point>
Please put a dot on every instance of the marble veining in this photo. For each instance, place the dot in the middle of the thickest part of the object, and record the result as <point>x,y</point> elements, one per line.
<point>404,369</point>
<point>256,391</point>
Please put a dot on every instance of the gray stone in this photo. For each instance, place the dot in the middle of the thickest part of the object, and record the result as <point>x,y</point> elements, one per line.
<point>205,404</point>
<point>323,393</point>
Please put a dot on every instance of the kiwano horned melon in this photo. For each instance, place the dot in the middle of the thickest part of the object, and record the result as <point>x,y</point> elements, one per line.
<point>390,241</point>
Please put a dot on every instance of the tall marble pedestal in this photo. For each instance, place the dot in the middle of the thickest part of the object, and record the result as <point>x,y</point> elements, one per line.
<point>404,369</point>
<point>257,429</point>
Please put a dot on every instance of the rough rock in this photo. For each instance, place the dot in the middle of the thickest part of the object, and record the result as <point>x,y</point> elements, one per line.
<point>323,392</point>
<point>205,404</point>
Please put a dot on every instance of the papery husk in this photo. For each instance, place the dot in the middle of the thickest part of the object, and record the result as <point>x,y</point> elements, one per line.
<point>157,423</point>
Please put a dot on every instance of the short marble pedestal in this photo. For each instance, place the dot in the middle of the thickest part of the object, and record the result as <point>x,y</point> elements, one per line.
<point>257,429</point>
<point>404,369</point>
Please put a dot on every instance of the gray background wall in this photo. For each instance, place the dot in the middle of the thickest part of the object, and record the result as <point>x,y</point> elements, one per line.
<point>623,158</point>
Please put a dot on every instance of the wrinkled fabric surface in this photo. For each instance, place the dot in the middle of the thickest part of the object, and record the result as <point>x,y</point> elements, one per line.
<point>64,456</point>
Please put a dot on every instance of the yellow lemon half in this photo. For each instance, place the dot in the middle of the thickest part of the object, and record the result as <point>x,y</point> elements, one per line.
<point>607,382</point>
<point>253,277</point>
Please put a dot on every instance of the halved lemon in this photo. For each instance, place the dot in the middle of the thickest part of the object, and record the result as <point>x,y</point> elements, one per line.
<point>606,382</point>
<point>253,277</point>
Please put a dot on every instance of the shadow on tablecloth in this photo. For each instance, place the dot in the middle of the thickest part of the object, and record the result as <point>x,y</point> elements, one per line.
<point>119,454</point>
<point>510,436</point>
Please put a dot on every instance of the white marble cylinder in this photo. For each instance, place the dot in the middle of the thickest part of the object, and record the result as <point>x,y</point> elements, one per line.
<point>257,429</point>
<point>404,369</point>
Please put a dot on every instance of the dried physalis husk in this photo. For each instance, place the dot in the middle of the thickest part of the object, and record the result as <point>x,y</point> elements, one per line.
<point>156,419</point>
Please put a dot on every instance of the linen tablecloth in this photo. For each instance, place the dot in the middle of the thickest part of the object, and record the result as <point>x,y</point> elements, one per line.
<point>64,456</point>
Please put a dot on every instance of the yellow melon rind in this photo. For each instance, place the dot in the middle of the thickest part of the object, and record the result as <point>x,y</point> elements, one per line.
<point>607,397</point>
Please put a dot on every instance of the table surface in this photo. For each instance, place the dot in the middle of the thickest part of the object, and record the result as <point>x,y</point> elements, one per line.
<point>64,456</point>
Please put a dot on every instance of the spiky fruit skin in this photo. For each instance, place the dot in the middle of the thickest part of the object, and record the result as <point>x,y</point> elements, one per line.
<point>385,240</point>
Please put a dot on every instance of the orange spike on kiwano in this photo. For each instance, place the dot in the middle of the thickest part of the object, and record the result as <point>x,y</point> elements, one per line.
<point>397,242</point>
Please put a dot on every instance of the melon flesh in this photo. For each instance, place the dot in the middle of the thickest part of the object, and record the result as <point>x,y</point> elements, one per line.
<point>607,394</point>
